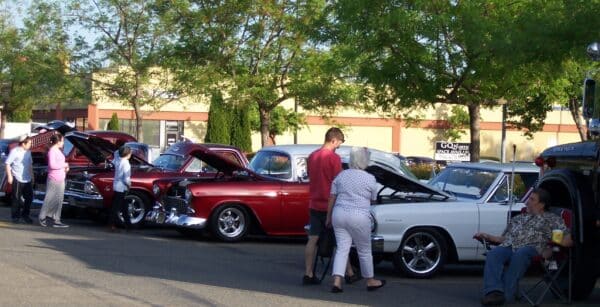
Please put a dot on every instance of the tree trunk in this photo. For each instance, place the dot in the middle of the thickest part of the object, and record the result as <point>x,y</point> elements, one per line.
<point>139,134</point>
<point>574,108</point>
<point>3,118</point>
<point>264,127</point>
<point>475,129</point>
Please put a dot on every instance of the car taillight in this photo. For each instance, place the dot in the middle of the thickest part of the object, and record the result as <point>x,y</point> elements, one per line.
<point>539,161</point>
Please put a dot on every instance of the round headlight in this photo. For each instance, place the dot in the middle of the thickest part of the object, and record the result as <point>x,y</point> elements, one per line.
<point>155,189</point>
<point>90,188</point>
<point>188,194</point>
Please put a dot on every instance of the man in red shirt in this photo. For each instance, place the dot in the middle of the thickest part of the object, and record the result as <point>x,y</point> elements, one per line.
<point>323,165</point>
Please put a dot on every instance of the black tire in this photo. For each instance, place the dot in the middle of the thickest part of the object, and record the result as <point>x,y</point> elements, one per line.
<point>139,204</point>
<point>230,223</point>
<point>421,254</point>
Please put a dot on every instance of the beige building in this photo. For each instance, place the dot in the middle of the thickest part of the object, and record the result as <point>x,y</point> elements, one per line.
<point>188,116</point>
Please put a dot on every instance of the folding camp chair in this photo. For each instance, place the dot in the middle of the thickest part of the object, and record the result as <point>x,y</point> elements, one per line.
<point>554,269</point>
<point>324,255</point>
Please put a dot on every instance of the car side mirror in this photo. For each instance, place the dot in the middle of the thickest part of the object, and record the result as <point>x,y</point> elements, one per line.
<point>589,98</point>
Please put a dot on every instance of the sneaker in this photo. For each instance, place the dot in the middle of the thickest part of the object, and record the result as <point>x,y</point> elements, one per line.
<point>494,298</point>
<point>27,220</point>
<point>306,280</point>
<point>43,223</point>
<point>59,225</point>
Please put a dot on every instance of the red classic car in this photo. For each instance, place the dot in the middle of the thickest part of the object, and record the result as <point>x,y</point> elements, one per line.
<point>93,189</point>
<point>74,157</point>
<point>270,198</point>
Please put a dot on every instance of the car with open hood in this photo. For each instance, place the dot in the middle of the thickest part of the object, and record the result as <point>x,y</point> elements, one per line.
<point>93,189</point>
<point>270,197</point>
<point>40,143</point>
<point>421,227</point>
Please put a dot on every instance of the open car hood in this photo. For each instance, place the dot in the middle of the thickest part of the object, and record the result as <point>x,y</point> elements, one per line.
<point>97,149</point>
<point>219,162</point>
<point>57,125</point>
<point>402,184</point>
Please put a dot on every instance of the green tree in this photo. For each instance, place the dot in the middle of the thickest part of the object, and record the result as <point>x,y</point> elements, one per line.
<point>129,34</point>
<point>34,63</point>
<point>113,124</point>
<point>259,53</point>
<point>281,120</point>
<point>469,53</point>
<point>218,129</point>
<point>241,132</point>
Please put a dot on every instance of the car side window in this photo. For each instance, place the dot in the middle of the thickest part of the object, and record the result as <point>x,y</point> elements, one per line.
<point>522,183</point>
<point>302,169</point>
<point>199,166</point>
<point>501,193</point>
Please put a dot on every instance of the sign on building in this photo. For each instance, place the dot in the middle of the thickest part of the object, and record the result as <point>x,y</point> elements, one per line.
<point>449,151</point>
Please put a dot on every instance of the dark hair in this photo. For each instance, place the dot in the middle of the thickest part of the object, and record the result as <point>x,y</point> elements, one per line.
<point>124,151</point>
<point>334,133</point>
<point>55,138</point>
<point>24,140</point>
<point>543,197</point>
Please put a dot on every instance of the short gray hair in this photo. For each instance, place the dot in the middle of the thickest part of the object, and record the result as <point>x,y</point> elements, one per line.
<point>359,157</point>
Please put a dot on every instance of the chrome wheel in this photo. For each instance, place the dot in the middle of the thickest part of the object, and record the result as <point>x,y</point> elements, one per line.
<point>231,223</point>
<point>136,208</point>
<point>421,254</point>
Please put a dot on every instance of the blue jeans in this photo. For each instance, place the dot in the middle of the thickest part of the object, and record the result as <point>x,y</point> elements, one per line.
<point>497,277</point>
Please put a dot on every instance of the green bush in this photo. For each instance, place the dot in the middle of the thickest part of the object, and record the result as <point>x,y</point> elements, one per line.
<point>113,124</point>
<point>423,171</point>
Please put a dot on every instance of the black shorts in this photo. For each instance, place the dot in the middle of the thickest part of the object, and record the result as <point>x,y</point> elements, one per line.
<point>317,222</point>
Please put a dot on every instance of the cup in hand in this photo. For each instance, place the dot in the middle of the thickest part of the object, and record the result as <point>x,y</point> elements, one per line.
<point>557,236</point>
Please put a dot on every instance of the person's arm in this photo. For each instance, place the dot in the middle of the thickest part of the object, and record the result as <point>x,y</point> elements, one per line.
<point>9,160</point>
<point>127,175</point>
<point>489,237</point>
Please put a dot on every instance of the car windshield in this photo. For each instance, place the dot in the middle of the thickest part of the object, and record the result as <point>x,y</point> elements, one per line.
<point>169,162</point>
<point>67,147</point>
<point>465,182</point>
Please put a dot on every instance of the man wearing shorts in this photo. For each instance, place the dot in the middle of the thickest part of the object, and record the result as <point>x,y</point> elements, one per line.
<point>323,165</point>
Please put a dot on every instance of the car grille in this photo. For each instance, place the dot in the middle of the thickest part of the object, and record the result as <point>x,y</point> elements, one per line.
<point>177,203</point>
<point>75,186</point>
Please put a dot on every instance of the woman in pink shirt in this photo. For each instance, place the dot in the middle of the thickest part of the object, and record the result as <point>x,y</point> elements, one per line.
<point>55,185</point>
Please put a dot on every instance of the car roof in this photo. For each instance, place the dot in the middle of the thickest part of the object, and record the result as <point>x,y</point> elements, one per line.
<point>495,166</point>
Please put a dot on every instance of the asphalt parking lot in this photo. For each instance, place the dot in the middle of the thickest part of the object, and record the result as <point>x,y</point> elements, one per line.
<point>88,265</point>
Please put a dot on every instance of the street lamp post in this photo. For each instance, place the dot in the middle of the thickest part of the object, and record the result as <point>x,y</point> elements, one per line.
<point>503,103</point>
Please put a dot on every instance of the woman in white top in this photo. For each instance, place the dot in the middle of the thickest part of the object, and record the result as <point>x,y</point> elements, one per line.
<point>351,194</point>
<point>121,185</point>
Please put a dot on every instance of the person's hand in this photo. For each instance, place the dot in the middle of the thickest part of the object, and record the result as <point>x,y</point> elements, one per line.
<point>10,179</point>
<point>328,222</point>
<point>481,236</point>
<point>547,253</point>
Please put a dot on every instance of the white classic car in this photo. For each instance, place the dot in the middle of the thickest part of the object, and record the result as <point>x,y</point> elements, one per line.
<point>422,227</point>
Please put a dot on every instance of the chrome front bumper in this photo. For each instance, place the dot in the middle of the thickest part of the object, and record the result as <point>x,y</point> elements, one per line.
<point>377,244</point>
<point>83,200</point>
<point>159,215</point>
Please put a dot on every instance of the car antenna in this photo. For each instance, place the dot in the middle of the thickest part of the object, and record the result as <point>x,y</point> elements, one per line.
<point>511,197</point>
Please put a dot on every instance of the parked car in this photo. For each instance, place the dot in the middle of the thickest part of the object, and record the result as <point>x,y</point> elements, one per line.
<point>92,189</point>
<point>269,198</point>
<point>422,227</point>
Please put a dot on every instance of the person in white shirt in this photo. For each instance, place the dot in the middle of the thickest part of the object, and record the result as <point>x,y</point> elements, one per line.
<point>121,184</point>
<point>19,174</point>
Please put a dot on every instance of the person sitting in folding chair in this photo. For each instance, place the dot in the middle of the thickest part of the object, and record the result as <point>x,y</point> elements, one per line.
<point>525,236</point>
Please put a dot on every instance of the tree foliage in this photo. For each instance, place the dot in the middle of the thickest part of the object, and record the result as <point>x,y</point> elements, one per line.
<point>129,34</point>
<point>260,53</point>
<point>470,53</point>
<point>218,129</point>
<point>113,124</point>
<point>33,63</point>
<point>241,132</point>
